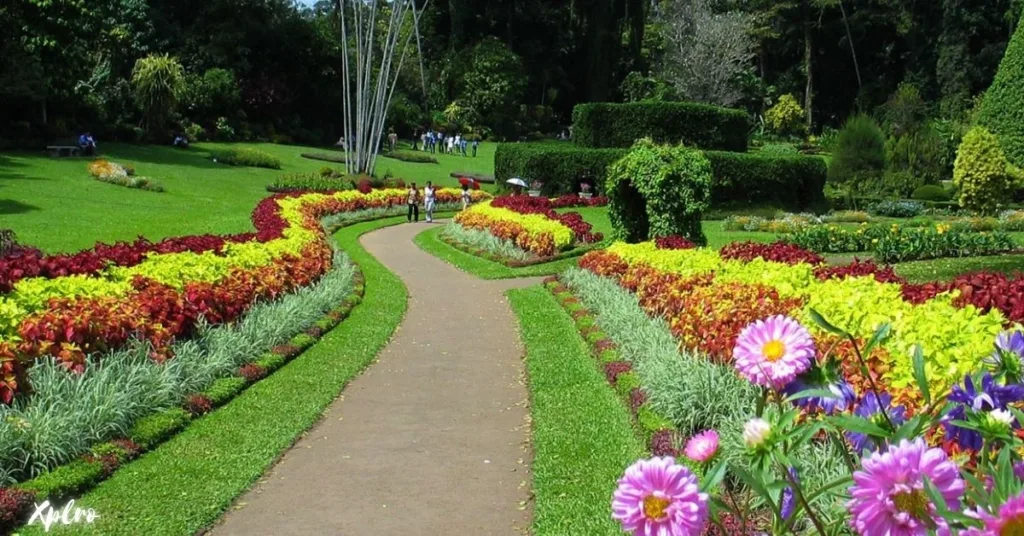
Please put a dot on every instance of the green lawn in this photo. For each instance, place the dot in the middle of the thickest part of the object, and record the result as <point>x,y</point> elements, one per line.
<point>186,483</point>
<point>582,435</point>
<point>53,203</point>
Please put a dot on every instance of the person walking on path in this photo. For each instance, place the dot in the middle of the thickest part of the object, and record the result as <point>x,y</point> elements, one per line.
<point>451,144</point>
<point>414,203</point>
<point>476,143</point>
<point>463,147</point>
<point>392,140</point>
<point>429,196</point>
<point>465,196</point>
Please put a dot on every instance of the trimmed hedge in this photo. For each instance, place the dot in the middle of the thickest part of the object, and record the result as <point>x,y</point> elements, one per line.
<point>1002,110</point>
<point>793,183</point>
<point>603,124</point>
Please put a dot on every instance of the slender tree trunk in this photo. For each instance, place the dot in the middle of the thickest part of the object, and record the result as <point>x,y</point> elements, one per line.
<point>853,51</point>
<point>809,71</point>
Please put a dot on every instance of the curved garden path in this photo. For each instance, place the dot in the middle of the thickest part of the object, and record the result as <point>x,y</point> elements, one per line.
<point>431,439</point>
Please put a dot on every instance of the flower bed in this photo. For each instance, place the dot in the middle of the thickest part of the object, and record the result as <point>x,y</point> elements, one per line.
<point>896,243</point>
<point>529,222</point>
<point>66,307</point>
<point>708,297</point>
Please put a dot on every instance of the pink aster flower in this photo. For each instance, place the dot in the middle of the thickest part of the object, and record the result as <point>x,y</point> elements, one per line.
<point>1010,519</point>
<point>660,497</point>
<point>888,494</point>
<point>773,352</point>
<point>702,447</point>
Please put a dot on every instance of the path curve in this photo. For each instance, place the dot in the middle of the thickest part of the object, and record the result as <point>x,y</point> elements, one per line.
<point>432,439</point>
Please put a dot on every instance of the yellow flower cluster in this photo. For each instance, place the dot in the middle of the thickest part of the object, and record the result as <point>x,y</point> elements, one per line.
<point>954,339</point>
<point>534,224</point>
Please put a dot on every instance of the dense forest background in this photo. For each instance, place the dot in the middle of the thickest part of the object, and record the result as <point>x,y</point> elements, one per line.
<point>271,69</point>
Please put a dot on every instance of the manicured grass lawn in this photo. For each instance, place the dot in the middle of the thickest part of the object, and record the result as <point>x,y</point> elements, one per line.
<point>582,436</point>
<point>945,269</point>
<point>186,483</point>
<point>53,203</point>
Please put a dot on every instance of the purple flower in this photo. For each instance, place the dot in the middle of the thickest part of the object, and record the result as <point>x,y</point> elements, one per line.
<point>888,494</point>
<point>788,496</point>
<point>774,351</point>
<point>870,408</point>
<point>1011,342</point>
<point>825,377</point>
<point>991,396</point>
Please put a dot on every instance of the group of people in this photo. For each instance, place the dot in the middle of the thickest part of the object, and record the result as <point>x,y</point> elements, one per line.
<point>429,200</point>
<point>437,141</point>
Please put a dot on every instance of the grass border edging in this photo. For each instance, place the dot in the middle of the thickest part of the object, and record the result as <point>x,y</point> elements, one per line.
<point>581,433</point>
<point>513,263</point>
<point>658,432</point>
<point>184,484</point>
<point>431,242</point>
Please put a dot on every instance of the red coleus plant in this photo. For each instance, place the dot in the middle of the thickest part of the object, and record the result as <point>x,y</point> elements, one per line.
<point>673,242</point>
<point>783,252</point>
<point>857,268</point>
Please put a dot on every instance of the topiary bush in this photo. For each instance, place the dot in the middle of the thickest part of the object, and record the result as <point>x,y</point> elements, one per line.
<point>982,172</point>
<point>793,182</point>
<point>604,124</point>
<point>931,192</point>
<point>860,152</point>
<point>786,118</point>
<point>243,156</point>
<point>1002,110</point>
<point>658,190</point>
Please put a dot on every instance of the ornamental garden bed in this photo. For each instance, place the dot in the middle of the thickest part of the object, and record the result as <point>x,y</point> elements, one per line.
<point>95,346</point>
<point>521,230</point>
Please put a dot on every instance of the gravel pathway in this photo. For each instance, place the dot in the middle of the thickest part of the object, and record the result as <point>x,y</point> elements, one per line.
<point>432,439</point>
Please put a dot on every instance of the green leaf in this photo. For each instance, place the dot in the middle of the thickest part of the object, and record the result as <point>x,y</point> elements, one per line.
<point>714,477</point>
<point>757,485</point>
<point>825,325</point>
<point>879,336</point>
<point>920,375</point>
<point>850,423</point>
<point>812,393</point>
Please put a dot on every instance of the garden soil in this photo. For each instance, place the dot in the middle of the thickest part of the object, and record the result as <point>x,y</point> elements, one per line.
<point>432,439</point>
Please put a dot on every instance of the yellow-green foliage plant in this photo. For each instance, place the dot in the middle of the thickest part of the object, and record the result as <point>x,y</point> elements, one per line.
<point>786,118</point>
<point>982,172</point>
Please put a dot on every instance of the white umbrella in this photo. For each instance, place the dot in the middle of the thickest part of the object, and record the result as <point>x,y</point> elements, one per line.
<point>517,182</point>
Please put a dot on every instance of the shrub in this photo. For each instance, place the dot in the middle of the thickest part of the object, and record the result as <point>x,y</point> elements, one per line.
<point>298,182</point>
<point>777,252</point>
<point>921,153</point>
<point>859,153</point>
<point>1002,110</point>
<point>786,118</point>
<point>158,80</point>
<point>790,182</point>
<point>155,428</point>
<point>224,389</point>
<point>410,156</point>
<point>894,183</point>
<point>982,172</point>
<point>778,149</point>
<point>698,125</point>
<point>931,192</point>
<point>243,156</point>
<point>198,404</point>
<point>15,505</point>
<point>337,159</point>
<point>252,372</point>
<point>194,132</point>
<point>65,480</point>
<point>657,191</point>
<point>223,131</point>
<point>896,209</point>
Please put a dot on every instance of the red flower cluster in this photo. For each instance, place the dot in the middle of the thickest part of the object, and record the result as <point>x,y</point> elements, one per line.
<point>776,252</point>
<point>673,242</point>
<point>857,268</point>
<point>541,205</point>
<point>573,200</point>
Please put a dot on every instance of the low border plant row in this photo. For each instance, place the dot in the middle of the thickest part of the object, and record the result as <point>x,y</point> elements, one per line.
<point>657,431</point>
<point>516,263</point>
<point>104,459</point>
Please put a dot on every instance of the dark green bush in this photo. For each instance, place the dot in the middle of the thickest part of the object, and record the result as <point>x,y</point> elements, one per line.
<point>788,182</point>
<point>295,182</point>
<point>153,429</point>
<point>336,158</point>
<point>1002,110</point>
<point>859,156</point>
<point>65,480</point>
<point>243,156</point>
<point>921,153</point>
<point>415,157</point>
<point>659,190</point>
<point>699,125</point>
<point>932,192</point>
<point>224,389</point>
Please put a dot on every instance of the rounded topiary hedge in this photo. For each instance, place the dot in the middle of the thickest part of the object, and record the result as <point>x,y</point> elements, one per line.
<point>658,190</point>
<point>603,124</point>
<point>1002,110</point>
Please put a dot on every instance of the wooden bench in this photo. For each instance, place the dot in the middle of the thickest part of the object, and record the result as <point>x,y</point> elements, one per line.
<point>63,150</point>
